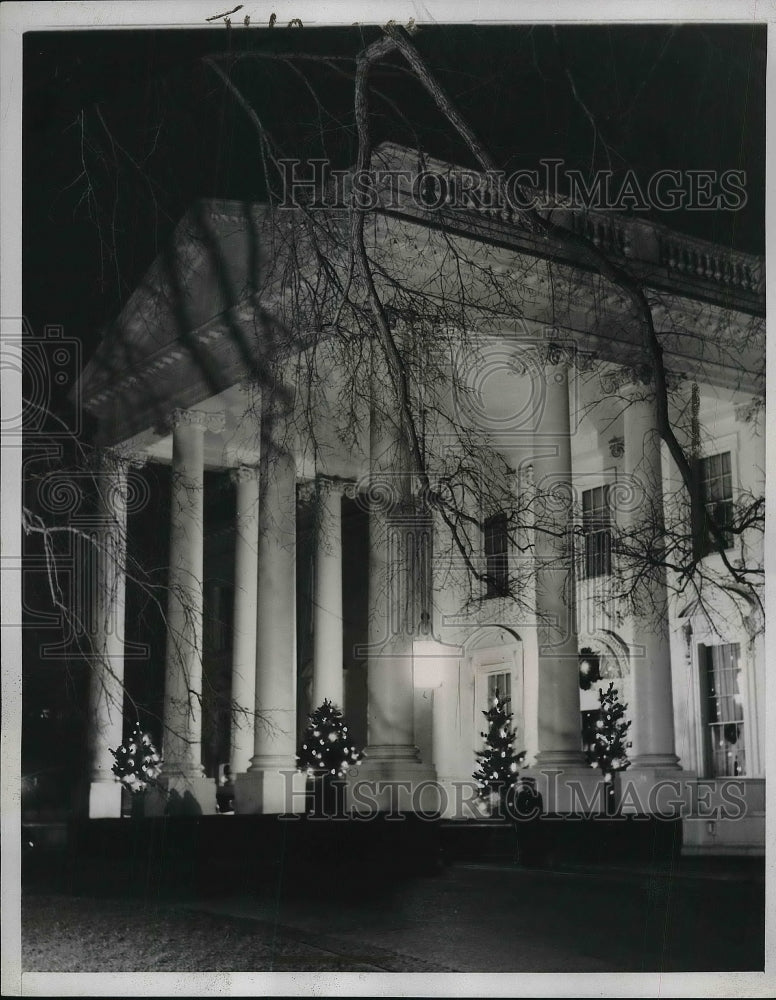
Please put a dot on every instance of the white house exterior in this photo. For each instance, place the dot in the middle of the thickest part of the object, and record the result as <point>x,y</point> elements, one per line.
<point>552,375</point>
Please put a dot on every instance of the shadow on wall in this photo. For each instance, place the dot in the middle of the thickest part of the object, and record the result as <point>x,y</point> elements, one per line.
<point>181,805</point>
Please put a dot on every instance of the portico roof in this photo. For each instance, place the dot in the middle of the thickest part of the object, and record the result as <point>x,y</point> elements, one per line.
<point>221,302</point>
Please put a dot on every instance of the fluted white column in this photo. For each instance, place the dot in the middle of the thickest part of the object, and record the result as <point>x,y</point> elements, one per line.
<point>274,745</point>
<point>272,783</point>
<point>559,738</point>
<point>243,697</point>
<point>652,730</point>
<point>183,662</point>
<point>106,683</point>
<point>390,716</point>
<point>327,611</point>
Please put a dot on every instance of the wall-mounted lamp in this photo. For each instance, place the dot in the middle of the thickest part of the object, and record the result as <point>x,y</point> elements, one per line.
<point>427,672</point>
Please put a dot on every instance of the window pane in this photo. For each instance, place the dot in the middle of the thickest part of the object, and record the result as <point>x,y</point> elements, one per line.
<point>716,485</point>
<point>496,555</point>
<point>499,682</point>
<point>598,539</point>
<point>724,712</point>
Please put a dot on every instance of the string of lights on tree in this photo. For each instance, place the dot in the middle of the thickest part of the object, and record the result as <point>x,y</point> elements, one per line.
<point>610,743</point>
<point>326,747</point>
<point>498,762</point>
<point>137,762</point>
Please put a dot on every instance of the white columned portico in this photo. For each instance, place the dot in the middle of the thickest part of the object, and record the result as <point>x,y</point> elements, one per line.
<point>106,682</point>
<point>653,755</point>
<point>246,561</point>
<point>183,771</point>
<point>327,609</point>
<point>272,783</point>
<point>560,766</point>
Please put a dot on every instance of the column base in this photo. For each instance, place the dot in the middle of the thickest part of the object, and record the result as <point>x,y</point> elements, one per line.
<point>270,791</point>
<point>655,791</point>
<point>561,760</point>
<point>399,783</point>
<point>647,761</point>
<point>577,790</point>
<point>390,752</point>
<point>105,799</point>
<point>459,799</point>
<point>181,795</point>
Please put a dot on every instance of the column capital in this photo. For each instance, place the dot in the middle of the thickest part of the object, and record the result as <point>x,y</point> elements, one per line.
<point>322,486</point>
<point>114,472</point>
<point>552,362</point>
<point>243,473</point>
<point>214,422</point>
<point>559,353</point>
<point>586,360</point>
<point>351,490</point>
<point>746,412</point>
<point>627,377</point>
<point>332,484</point>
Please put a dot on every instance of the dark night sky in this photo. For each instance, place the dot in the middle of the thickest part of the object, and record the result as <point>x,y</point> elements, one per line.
<point>678,97</point>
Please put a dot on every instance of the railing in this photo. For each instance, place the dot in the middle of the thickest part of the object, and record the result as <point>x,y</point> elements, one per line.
<point>695,259</point>
<point>638,240</point>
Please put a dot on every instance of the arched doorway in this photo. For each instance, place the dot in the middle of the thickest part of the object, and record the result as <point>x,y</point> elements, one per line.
<point>495,659</point>
<point>603,657</point>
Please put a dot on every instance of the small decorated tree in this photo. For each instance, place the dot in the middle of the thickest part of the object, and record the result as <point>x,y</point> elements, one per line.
<point>610,744</point>
<point>137,763</point>
<point>498,763</point>
<point>326,753</point>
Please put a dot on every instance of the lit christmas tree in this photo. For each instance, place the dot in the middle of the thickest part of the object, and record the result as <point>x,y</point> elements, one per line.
<point>610,746</point>
<point>499,764</point>
<point>327,752</point>
<point>137,762</point>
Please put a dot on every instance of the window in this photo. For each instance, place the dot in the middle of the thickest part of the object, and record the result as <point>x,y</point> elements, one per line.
<point>497,555</point>
<point>499,682</point>
<point>716,484</point>
<point>723,707</point>
<point>598,536</point>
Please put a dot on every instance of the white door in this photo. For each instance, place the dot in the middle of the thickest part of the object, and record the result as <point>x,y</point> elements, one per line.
<point>498,669</point>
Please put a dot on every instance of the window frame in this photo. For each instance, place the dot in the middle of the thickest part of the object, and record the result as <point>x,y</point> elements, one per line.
<point>497,559</point>
<point>709,546</point>
<point>597,526</point>
<point>710,675</point>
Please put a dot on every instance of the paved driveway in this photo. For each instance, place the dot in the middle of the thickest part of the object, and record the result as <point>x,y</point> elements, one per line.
<point>500,918</point>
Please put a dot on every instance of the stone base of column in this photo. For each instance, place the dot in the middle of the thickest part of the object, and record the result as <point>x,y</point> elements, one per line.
<point>561,760</point>
<point>459,799</point>
<point>395,783</point>
<point>655,791</point>
<point>267,791</point>
<point>577,790</point>
<point>651,761</point>
<point>181,795</point>
<point>105,799</point>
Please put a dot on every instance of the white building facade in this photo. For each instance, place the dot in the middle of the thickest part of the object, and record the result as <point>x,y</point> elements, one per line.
<point>415,593</point>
